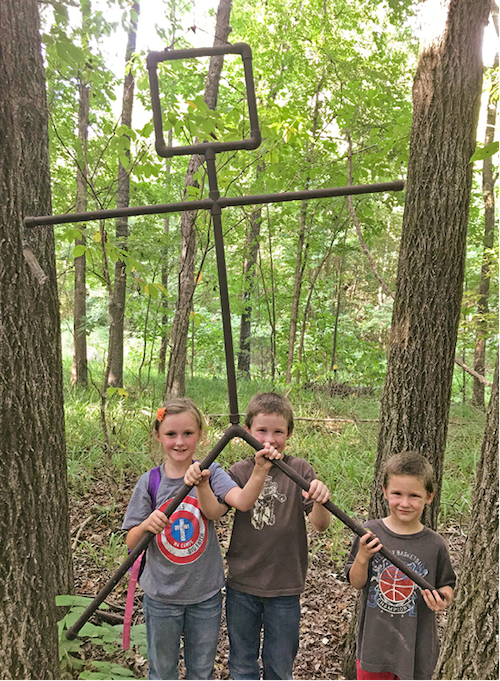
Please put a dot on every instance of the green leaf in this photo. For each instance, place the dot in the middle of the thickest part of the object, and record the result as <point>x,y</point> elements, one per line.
<point>485,152</point>
<point>79,251</point>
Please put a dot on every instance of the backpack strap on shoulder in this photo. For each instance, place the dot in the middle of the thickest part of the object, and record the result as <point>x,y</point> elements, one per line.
<point>140,561</point>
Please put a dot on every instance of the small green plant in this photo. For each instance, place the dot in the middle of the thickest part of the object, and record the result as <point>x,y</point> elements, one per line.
<point>107,670</point>
<point>106,636</point>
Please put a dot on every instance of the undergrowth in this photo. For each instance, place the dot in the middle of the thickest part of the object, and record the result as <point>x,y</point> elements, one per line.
<point>342,451</point>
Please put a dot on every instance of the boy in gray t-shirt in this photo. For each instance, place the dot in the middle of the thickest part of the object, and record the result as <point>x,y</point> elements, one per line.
<point>397,632</point>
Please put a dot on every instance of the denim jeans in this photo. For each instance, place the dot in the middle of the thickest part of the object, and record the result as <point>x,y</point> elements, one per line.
<point>246,616</point>
<point>198,623</point>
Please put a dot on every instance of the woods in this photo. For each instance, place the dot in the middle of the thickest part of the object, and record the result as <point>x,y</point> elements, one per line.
<point>136,301</point>
<point>35,551</point>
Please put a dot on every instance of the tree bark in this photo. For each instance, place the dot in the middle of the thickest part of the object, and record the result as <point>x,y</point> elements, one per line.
<point>489,230</point>
<point>249,266</point>
<point>426,312</point>
<point>165,271</point>
<point>79,368</point>
<point>300,264</point>
<point>117,301</point>
<point>446,100</point>
<point>35,555</point>
<point>176,375</point>
<point>470,642</point>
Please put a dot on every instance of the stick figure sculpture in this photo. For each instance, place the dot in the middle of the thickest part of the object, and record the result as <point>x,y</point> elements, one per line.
<point>215,203</point>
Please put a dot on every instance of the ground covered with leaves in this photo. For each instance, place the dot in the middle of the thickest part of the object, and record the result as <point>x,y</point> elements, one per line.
<point>327,603</point>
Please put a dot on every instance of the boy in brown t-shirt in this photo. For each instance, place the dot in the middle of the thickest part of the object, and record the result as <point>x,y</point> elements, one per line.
<point>397,633</point>
<point>267,556</point>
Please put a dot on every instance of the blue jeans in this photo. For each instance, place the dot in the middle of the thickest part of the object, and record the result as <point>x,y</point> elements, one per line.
<point>246,616</point>
<point>198,623</point>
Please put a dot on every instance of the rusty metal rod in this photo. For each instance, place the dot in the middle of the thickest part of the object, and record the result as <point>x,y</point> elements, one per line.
<point>341,515</point>
<point>232,390</point>
<point>207,204</point>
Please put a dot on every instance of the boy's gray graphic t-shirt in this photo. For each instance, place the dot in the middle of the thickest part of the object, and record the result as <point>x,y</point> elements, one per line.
<point>397,632</point>
<point>184,563</point>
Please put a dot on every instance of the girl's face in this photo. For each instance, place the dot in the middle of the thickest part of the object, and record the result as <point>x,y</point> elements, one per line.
<point>179,434</point>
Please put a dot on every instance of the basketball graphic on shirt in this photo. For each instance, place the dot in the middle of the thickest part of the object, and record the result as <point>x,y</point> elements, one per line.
<point>395,585</point>
<point>186,538</point>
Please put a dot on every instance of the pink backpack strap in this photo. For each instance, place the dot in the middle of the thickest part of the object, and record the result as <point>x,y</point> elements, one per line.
<point>138,566</point>
<point>129,605</point>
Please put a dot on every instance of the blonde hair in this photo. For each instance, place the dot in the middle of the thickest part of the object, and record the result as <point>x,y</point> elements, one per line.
<point>180,405</point>
<point>410,463</point>
<point>270,403</point>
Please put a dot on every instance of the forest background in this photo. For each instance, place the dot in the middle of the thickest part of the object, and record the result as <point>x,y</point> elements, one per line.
<point>310,283</point>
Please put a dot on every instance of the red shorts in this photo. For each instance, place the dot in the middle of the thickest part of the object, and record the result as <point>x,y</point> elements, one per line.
<point>361,674</point>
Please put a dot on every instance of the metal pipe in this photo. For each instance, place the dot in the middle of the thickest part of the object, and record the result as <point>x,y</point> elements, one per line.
<point>341,515</point>
<point>307,194</point>
<point>117,213</point>
<point>206,204</point>
<point>234,416</point>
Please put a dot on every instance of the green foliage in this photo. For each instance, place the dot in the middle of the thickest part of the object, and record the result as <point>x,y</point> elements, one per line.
<point>105,638</point>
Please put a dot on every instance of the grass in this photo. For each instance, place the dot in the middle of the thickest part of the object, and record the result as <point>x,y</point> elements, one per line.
<point>342,453</point>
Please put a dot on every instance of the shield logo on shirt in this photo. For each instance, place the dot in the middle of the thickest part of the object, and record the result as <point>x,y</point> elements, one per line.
<point>185,540</point>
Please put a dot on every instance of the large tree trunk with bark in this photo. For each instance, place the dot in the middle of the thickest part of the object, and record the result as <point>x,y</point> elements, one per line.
<point>249,276</point>
<point>176,375</point>
<point>117,301</point>
<point>79,368</point>
<point>35,555</point>
<point>417,392</point>
<point>489,230</point>
<point>469,648</point>
<point>446,100</point>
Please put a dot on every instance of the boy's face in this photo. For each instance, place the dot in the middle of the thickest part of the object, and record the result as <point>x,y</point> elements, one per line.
<point>407,499</point>
<point>271,428</point>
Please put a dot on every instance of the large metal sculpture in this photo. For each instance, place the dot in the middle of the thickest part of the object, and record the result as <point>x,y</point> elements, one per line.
<point>215,204</point>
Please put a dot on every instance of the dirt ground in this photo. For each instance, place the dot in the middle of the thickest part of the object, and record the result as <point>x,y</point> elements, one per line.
<point>327,602</point>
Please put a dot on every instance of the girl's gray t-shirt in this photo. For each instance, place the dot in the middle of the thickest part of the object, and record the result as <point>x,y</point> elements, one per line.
<point>184,562</point>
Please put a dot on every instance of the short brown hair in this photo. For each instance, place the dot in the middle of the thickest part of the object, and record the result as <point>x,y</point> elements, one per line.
<point>179,405</point>
<point>410,463</point>
<point>270,403</point>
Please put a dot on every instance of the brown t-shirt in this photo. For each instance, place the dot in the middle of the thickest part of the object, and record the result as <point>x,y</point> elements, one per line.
<point>267,555</point>
<point>397,632</point>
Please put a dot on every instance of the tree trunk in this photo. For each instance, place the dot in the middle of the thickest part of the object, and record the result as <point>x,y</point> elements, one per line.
<point>176,376</point>
<point>35,556</point>
<point>308,303</point>
<point>165,270</point>
<point>117,301</point>
<point>446,100</point>
<point>249,265</point>
<point>417,391</point>
<point>79,368</point>
<point>489,230</point>
<point>300,264</point>
<point>470,642</point>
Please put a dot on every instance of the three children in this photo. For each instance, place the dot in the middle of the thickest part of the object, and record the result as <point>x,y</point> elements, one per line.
<point>267,558</point>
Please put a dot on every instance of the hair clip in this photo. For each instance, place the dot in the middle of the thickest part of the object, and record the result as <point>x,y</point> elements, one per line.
<point>160,414</point>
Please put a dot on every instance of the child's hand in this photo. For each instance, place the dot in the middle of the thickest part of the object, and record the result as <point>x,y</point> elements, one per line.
<point>318,492</point>
<point>265,456</point>
<point>156,522</point>
<point>195,476</point>
<point>434,601</point>
<point>369,545</point>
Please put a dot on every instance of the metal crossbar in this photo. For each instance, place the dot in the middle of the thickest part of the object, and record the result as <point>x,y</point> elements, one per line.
<point>215,204</point>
